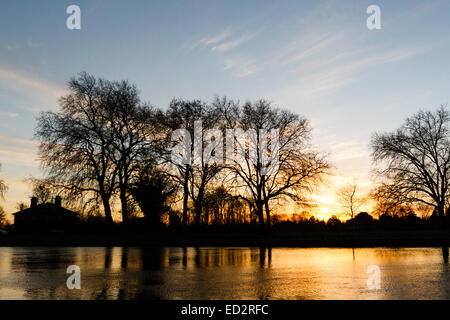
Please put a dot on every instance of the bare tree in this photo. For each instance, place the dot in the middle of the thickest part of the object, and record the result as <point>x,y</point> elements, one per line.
<point>3,220</point>
<point>197,172</point>
<point>135,135</point>
<point>44,193</point>
<point>221,207</point>
<point>414,161</point>
<point>21,206</point>
<point>99,141</point>
<point>76,145</point>
<point>351,199</point>
<point>153,193</point>
<point>3,187</point>
<point>288,171</point>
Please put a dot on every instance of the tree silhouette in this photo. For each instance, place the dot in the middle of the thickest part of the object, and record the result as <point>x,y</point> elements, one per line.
<point>3,187</point>
<point>196,173</point>
<point>223,208</point>
<point>152,193</point>
<point>134,132</point>
<point>98,141</point>
<point>351,199</point>
<point>414,161</point>
<point>288,172</point>
<point>21,206</point>
<point>3,220</point>
<point>42,192</point>
<point>75,149</point>
<point>334,222</point>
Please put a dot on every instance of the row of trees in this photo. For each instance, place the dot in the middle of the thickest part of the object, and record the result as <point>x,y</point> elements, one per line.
<point>105,144</point>
<point>404,220</point>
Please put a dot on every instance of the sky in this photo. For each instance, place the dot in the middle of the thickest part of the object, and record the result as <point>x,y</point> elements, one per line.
<point>315,58</point>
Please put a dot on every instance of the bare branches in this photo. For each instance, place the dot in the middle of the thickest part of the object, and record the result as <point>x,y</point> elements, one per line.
<point>82,145</point>
<point>414,161</point>
<point>3,188</point>
<point>351,199</point>
<point>104,139</point>
<point>196,175</point>
<point>288,171</point>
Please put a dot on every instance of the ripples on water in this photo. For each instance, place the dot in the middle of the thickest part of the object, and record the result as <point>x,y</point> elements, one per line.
<point>224,273</point>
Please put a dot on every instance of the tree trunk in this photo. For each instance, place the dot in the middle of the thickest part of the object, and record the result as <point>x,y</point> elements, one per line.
<point>441,215</point>
<point>107,208</point>
<point>199,204</point>
<point>185,194</point>
<point>198,212</point>
<point>124,204</point>
<point>260,214</point>
<point>266,205</point>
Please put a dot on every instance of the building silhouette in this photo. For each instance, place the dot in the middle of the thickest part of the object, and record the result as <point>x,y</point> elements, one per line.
<point>45,217</point>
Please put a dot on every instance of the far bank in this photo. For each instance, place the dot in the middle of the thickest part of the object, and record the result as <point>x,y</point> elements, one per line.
<point>395,238</point>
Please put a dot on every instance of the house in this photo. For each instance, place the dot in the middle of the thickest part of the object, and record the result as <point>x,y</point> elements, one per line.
<point>45,217</point>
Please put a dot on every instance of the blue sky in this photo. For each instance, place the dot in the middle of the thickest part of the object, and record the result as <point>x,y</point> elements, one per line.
<point>316,58</point>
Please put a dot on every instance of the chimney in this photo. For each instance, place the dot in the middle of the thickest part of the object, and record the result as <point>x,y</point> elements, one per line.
<point>33,202</point>
<point>58,201</point>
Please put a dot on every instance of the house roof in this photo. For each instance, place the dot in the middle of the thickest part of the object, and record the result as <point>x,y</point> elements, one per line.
<point>46,208</point>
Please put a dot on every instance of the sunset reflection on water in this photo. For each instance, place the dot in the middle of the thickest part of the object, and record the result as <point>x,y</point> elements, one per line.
<point>224,273</point>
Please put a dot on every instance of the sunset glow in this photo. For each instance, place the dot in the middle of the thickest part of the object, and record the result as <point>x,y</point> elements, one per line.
<point>341,76</point>
<point>205,158</point>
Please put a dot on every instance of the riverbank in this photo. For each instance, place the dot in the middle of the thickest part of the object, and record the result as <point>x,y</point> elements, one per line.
<point>423,238</point>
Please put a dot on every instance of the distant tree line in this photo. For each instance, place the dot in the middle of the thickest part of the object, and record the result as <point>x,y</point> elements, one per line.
<point>363,221</point>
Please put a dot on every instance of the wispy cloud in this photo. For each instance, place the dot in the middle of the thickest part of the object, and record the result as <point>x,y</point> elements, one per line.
<point>411,14</point>
<point>34,44</point>
<point>226,40</point>
<point>18,157</point>
<point>18,151</point>
<point>325,80</point>
<point>228,45</point>
<point>216,38</point>
<point>327,52</point>
<point>9,114</point>
<point>26,80</point>
<point>240,69</point>
<point>347,150</point>
<point>310,44</point>
<point>12,47</point>
<point>29,85</point>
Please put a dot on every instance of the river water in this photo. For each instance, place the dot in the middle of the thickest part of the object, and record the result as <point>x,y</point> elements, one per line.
<point>225,273</point>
